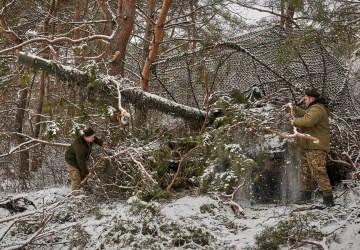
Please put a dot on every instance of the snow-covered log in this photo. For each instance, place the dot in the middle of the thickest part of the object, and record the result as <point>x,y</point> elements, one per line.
<point>129,92</point>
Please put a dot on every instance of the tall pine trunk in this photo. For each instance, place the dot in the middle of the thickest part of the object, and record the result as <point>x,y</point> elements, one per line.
<point>140,116</point>
<point>23,167</point>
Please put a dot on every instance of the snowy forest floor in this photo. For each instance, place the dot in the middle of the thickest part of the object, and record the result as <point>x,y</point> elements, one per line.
<point>51,219</point>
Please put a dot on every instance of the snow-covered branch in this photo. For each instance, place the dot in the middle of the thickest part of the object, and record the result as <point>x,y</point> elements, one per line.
<point>55,41</point>
<point>129,92</point>
<point>141,167</point>
<point>114,156</point>
<point>32,142</point>
<point>230,201</point>
<point>296,134</point>
<point>123,112</point>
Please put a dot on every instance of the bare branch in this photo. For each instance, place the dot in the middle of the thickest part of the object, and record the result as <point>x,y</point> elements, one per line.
<point>179,166</point>
<point>55,41</point>
<point>239,211</point>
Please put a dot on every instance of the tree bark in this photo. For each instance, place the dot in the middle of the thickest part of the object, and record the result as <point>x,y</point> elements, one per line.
<point>158,36</point>
<point>125,20</point>
<point>107,15</point>
<point>287,19</point>
<point>149,25</point>
<point>20,112</point>
<point>141,113</point>
<point>37,155</point>
<point>19,124</point>
<point>129,92</point>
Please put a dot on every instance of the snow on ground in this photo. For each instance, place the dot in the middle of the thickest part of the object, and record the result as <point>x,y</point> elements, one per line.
<point>134,224</point>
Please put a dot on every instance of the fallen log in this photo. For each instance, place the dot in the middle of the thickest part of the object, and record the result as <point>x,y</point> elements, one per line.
<point>129,91</point>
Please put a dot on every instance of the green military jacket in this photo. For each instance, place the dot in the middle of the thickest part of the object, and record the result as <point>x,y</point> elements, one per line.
<point>79,152</point>
<point>314,121</point>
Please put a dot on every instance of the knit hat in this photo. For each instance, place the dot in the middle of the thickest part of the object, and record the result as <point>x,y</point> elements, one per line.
<point>312,93</point>
<point>88,132</point>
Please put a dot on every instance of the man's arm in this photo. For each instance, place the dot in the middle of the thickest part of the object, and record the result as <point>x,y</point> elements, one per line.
<point>309,119</point>
<point>299,111</point>
<point>80,155</point>
<point>81,158</point>
<point>100,142</point>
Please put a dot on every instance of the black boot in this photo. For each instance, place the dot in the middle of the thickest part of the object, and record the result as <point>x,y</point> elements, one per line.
<point>305,197</point>
<point>328,198</point>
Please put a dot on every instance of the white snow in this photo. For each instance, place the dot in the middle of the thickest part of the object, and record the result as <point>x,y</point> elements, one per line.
<point>193,212</point>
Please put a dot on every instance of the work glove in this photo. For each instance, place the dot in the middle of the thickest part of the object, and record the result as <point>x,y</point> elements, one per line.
<point>84,173</point>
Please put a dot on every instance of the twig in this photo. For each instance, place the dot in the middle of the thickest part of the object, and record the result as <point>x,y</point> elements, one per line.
<point>239,211</point>
<point>123,112</point>
<point>295,135</point>
<point>346,155</point>
<point>56,41</point>
<point>141,167</point>
<point>179,167</point>
<point>321,245</point>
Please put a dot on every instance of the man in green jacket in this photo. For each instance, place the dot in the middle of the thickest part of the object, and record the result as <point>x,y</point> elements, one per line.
<point>77,155</point>
<point>314,121</point>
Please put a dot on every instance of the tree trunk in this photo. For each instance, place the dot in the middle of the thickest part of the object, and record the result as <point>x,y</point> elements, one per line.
<point>149,25</point>
<point>140,115</point>
<point>37,157</point>
<point>193,25</point>
<point>125,20</point>
<point>158,36</point>
<point>136,96</point>
<point>107,16</point>
<point>19,122</point>
<point>287,19</point>
<point>20,113</point>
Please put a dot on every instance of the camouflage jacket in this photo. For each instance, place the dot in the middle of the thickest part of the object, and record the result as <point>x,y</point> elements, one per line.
<point>314,121</point>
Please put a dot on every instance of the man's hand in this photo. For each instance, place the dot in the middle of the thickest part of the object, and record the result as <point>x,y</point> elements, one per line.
<point>104,145</point>
<point>287,106</point>
<point>83,173</point>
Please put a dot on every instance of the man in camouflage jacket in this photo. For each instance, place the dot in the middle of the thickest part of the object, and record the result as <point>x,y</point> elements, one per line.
<point>77,155</point>
<point>314,121</point>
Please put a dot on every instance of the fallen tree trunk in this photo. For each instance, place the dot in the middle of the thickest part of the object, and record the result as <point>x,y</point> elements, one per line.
<point>129,91</point>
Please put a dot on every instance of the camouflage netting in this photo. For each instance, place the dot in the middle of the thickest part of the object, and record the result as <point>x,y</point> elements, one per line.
<point>262,62</point>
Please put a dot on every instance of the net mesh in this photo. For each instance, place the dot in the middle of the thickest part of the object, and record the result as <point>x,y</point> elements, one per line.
<point>267,61</point>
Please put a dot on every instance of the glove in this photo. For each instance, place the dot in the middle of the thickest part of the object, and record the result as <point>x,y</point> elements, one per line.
<point>83,173</point>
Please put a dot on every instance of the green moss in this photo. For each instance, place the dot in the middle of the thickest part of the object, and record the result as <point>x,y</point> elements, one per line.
<point>25,80</point>
<point>4,68</point>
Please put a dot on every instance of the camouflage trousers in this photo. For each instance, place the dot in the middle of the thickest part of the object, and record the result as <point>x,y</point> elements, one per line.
<point>313,168</point>
<point>74,176</point>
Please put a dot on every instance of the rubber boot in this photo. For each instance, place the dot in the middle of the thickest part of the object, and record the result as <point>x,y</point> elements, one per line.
<point>328,198</point>
<point>305,197</point>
